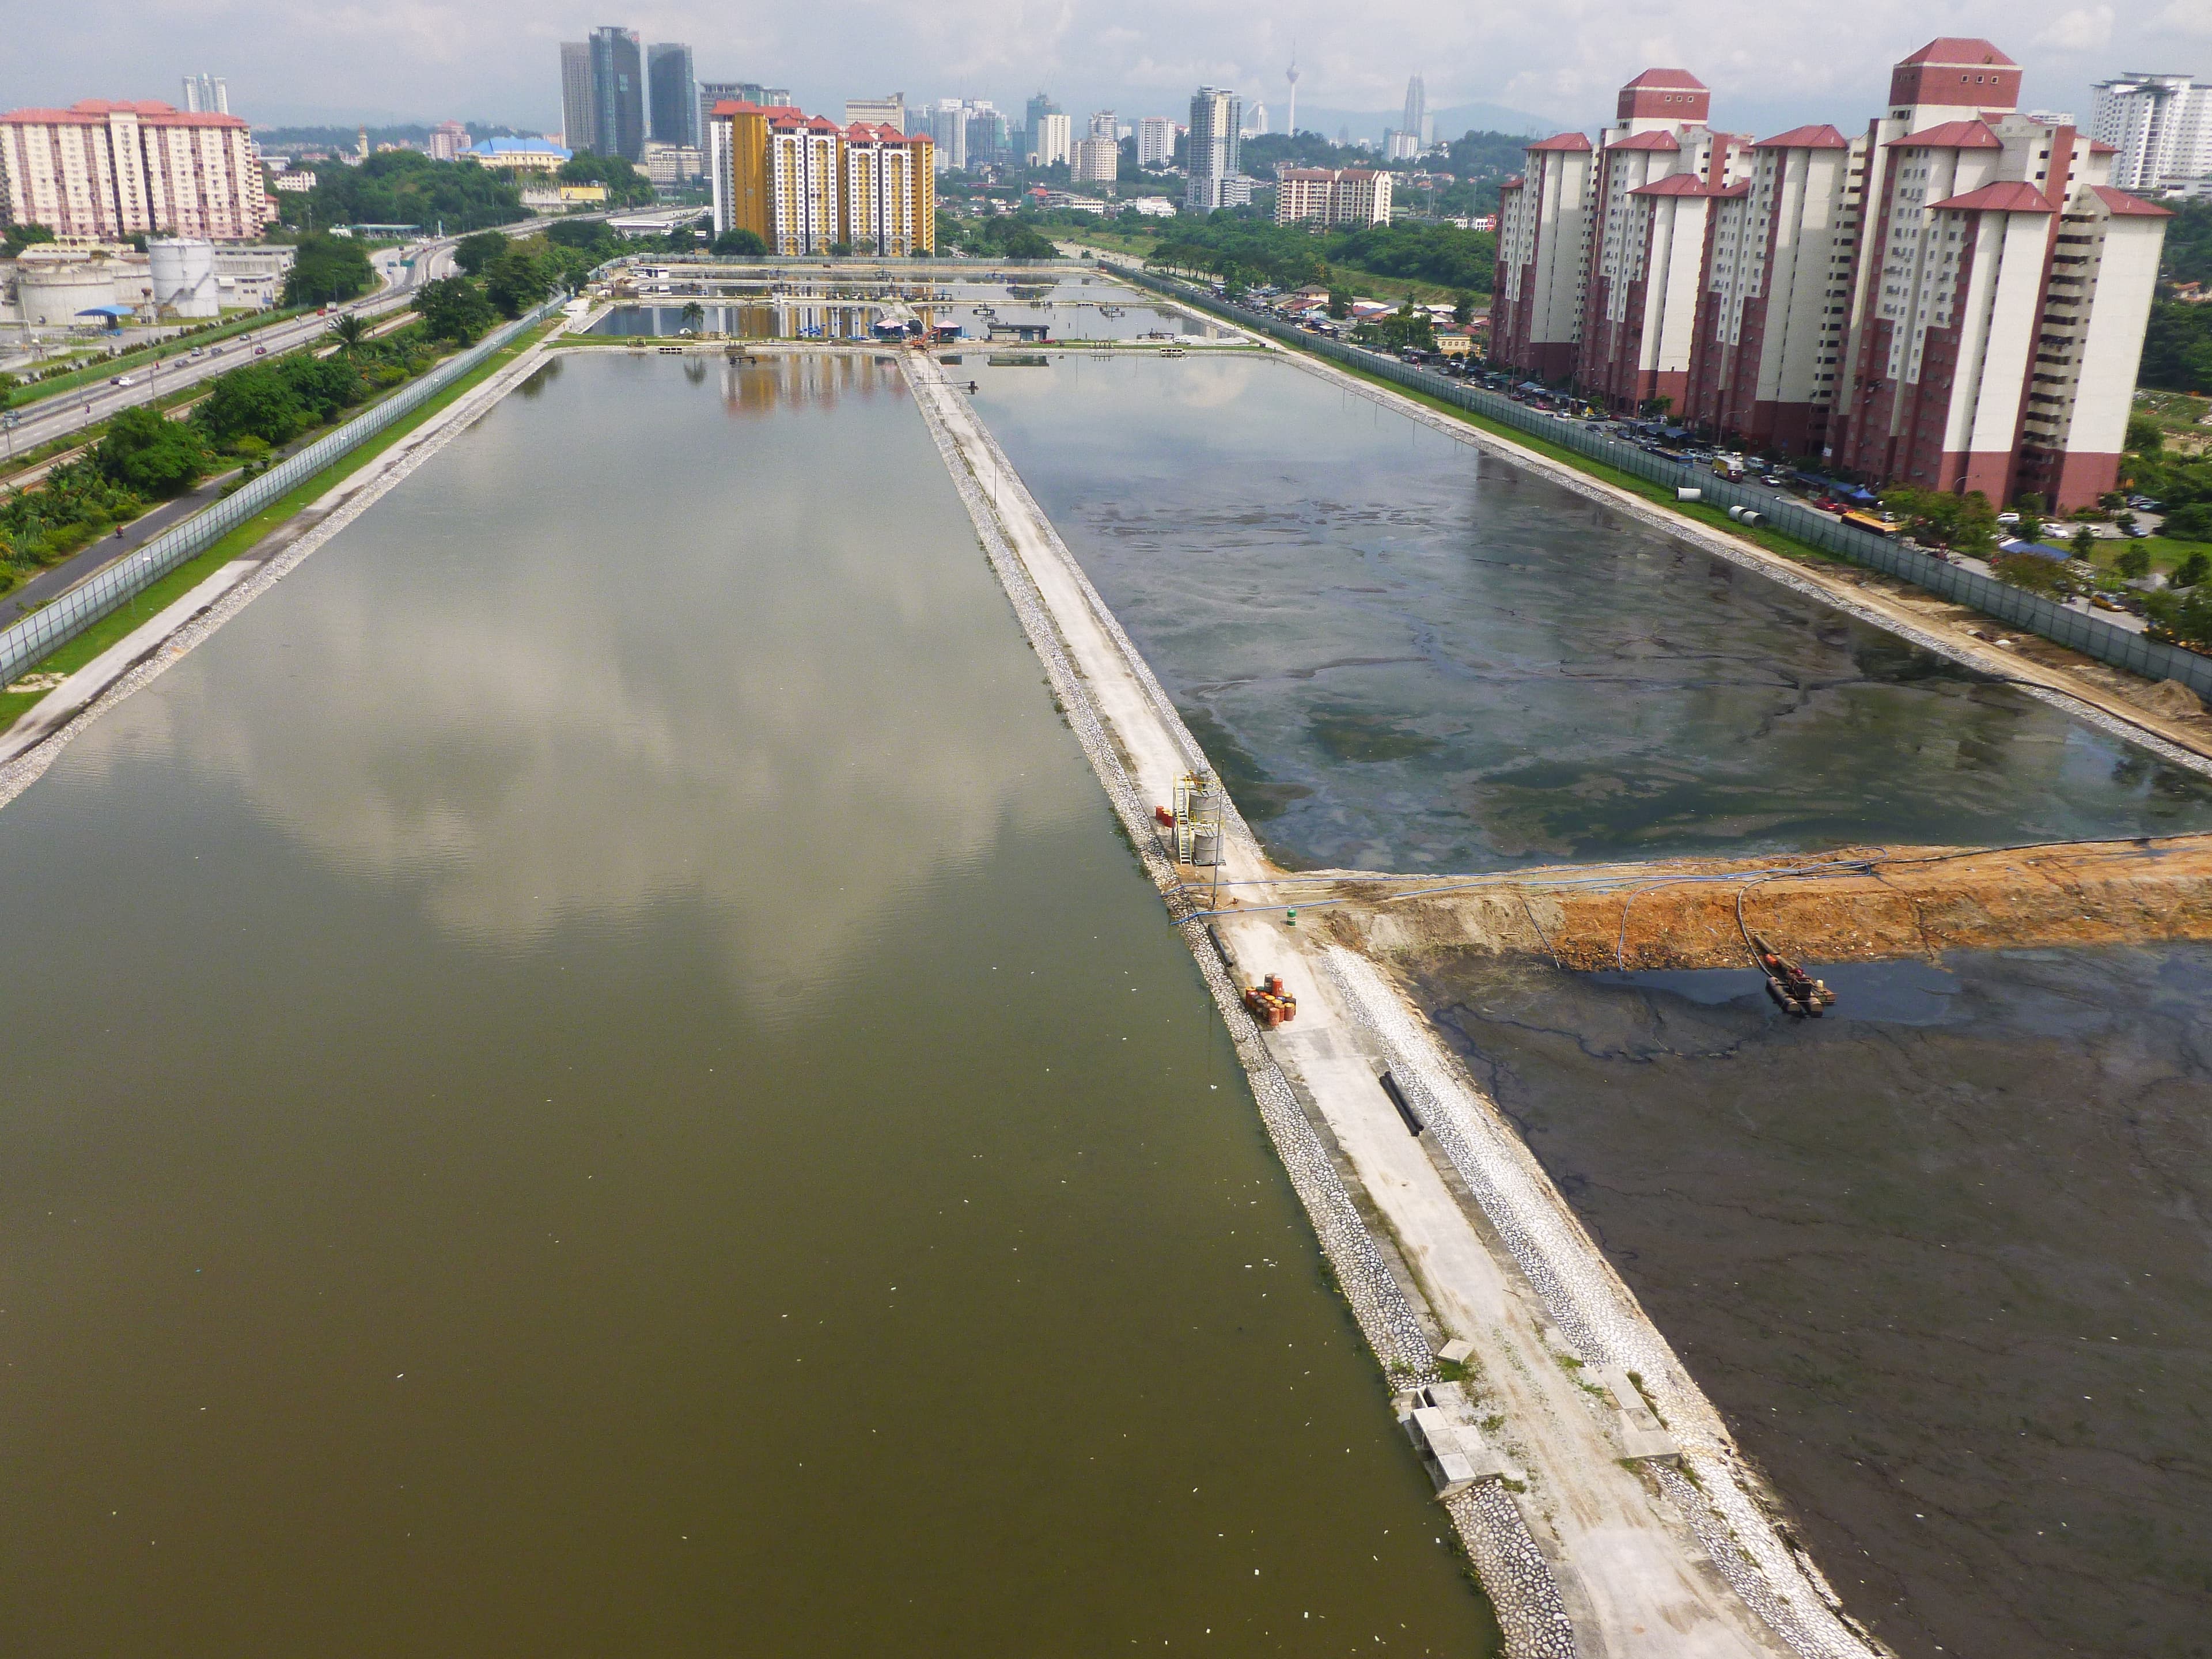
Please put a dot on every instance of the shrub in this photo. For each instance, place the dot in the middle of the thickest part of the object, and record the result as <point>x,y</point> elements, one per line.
<point>151,456</point>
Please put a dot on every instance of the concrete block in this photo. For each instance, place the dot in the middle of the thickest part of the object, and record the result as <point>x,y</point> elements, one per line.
<point>1458,1350</point>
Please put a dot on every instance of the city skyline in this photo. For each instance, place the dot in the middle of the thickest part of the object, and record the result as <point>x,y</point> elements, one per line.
<point>432,59</point>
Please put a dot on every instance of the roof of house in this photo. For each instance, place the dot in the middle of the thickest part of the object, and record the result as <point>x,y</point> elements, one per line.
<point>517,147</point>
<point>1648,141</point>
<point>1563,141</point>
<point>88,112</point>
<point>1960,49</point>
<point>1675,184</point>
<point>1951,134</point>
<point>2010,196</point>
<point>2099,147</point>
<point>1667,79</point>
<point>2121,205</point>
<point>1815,137</point>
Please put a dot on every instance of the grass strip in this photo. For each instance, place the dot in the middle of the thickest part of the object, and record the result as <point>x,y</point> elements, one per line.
<point>67,659</point>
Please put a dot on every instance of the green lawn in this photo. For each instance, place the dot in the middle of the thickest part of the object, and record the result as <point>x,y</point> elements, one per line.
<point>179,582</point>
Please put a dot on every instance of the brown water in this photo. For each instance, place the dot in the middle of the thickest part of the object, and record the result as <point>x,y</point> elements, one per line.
<point>1943,1258</point>
<point>592,1076</point>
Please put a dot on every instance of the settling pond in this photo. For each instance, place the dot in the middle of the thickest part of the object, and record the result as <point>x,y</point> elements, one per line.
<point>1944,1259</point>
<point>1405,654</point>
<point>593,1075</point>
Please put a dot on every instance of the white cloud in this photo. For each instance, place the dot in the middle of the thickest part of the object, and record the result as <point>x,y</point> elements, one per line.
<point>2086,28</point>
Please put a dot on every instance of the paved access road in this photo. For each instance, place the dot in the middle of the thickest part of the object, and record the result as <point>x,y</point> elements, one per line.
<point>56,416</point>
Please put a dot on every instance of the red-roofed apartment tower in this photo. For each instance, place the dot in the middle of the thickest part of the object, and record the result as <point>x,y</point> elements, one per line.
<point>1955,300</point>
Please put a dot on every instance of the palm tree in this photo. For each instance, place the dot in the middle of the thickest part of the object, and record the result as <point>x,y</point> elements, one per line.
<point>350,331</point>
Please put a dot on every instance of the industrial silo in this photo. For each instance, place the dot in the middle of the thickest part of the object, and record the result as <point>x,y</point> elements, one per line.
<point>184,277</point>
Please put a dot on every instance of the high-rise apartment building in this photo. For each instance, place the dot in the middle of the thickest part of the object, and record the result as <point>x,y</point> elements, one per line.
<point>1052,140</point>
<point>1096,161</point>
<point>671,96</point>
<point>2159,127</point>
<point>948,130</point>
<point>888,111</point>
<point>618,93</point>
<point>447,141</point>
<point>579,124</point>
<point>1955,300</point>
<point>1155,141</point>
<point>206,94</point>
<point>1332,196</point>
<point>805,185</point>
<point>1214,178</point>
<point>114,170</point>
<point>1032,115</point>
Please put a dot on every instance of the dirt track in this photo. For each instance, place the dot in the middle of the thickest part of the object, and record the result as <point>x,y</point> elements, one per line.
<point>1855,905</point>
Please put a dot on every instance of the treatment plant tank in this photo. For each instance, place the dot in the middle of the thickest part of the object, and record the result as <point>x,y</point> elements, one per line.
<point>51,295</point>
<point>1205,846</point>
<point>184,277</point>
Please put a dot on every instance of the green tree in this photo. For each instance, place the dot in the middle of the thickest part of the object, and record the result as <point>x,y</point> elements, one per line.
<point>517,279</point>
<point>2085,545</point>
<point>2134,561</point>
<point>406,187</point>
<point>1339,302</point>
<point>151,455</point>
<point>326,269</point>
<point>1463,308</point>
<point>740,245</point>
<point>350,331</point>
<point>472,253</point>
<point>2183,617</point>
<point>2145,436</point>
<point>453,308</point>
<point>19,237</point>
<point>2031,571</point>
<point>2192,570</point>
<point>255,401</point>
<point>694,315</point>
<point>626,186</point>
<point>2189,522</point>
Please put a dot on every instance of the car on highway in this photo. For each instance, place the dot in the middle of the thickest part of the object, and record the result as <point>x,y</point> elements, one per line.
<point>122,380</point>
<point>261,351</point>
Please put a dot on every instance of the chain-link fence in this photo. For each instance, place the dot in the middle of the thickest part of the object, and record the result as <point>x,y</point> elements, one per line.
<point>40,633</point>
<point>2083,631</point>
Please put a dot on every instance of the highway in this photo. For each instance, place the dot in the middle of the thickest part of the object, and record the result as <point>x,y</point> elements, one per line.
<point>49,418</point>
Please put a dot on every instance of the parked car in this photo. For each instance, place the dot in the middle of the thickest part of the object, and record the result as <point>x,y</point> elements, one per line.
<point>2144,504</point>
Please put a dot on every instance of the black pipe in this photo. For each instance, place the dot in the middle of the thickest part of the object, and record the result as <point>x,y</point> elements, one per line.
<point>1413,1125</point>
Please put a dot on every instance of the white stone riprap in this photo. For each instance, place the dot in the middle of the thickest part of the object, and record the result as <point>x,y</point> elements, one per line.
<point>1601,1317</point>
<point>1506,1557</point>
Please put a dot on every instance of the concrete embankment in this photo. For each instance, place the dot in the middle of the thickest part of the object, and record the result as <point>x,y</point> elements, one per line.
<point>1603,1505</point>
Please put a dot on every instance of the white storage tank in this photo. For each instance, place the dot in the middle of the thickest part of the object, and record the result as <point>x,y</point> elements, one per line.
<point>51,295</point>
<point>184,277</point>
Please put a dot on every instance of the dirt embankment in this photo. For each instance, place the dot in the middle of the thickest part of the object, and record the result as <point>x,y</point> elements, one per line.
<point>1856,904</point>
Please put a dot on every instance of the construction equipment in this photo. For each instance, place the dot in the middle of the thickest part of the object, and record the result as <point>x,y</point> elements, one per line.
<point>1269,1003</point>
<point>1198,801</point>
<point>1797,993</point>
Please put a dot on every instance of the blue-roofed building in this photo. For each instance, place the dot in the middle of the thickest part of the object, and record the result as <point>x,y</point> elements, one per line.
<point>520,155</point>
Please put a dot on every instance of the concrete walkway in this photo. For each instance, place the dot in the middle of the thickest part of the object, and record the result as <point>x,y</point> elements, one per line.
<point>1645,1563</point>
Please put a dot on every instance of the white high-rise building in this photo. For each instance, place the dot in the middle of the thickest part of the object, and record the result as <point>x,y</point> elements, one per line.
<point>206,94</point>
<point>948,127</point>
<point>1053,139</point>
<point>1156,137</point>
<point>2159,125</point>
<point>1255,120</point>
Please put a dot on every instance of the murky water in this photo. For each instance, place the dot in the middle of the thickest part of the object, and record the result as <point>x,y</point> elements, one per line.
<point>1405,655</point>
<point>1943,1258</point>
<point>592,1076</point>
<point>759,321</point>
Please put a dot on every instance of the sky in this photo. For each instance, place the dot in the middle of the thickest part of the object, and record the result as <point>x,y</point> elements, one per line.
<point>1772,64</point>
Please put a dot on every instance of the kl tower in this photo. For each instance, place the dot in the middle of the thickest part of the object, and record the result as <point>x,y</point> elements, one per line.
<point>1291,75</point>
